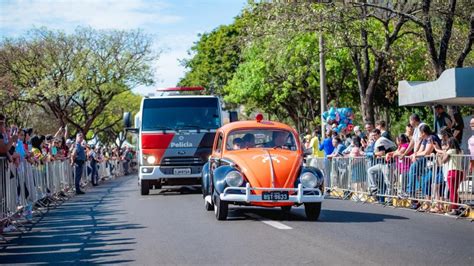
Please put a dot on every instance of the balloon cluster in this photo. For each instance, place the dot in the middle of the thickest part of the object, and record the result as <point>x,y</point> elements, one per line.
<point>339,119</point>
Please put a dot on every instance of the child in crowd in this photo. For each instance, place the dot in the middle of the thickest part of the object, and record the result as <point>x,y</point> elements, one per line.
<point>453,158</point>
<point>357,162</point>
<point>441,189</point>
<point>402,163</point>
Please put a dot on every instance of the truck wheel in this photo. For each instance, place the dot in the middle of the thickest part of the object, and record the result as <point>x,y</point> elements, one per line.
<point>220,208</point>
<point>145,187</point>
<point>312,210</point>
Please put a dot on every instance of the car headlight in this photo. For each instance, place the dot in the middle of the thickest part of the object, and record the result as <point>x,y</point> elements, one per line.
<point>308,180</point>
<point>151,159</point>
<point>234,179</point>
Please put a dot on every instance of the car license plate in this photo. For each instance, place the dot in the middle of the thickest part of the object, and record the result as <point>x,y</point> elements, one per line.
<point>182,171</point>
<point>275,195</point>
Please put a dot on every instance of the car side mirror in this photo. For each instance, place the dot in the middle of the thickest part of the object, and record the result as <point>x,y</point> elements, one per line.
<point>127,123</point>
<point>233,116</point>
<point>127,119</point>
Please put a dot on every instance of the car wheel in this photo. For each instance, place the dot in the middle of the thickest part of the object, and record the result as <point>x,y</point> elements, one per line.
<point>312,210</point>
<point>145,187</point>
<point>220,208</point>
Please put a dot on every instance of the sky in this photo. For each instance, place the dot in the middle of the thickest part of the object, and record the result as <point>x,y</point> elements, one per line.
<point>174,24</point>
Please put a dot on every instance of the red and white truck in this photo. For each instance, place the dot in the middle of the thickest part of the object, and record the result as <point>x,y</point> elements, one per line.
<point>175,136</point>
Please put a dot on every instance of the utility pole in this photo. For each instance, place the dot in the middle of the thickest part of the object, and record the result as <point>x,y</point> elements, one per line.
<point>322,80</point>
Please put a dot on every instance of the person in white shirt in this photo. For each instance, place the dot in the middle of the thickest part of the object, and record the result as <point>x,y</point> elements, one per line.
<point>381,148</point>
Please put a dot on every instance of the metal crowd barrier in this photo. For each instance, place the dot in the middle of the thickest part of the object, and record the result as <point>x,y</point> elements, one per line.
<point>424,184</point>
<point>29,189</point>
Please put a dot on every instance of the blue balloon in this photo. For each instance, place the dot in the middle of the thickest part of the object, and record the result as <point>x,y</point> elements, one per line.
<point>325,115</point>
<point>339,128</point>
<point>332,111</point>
<point>348,112</point>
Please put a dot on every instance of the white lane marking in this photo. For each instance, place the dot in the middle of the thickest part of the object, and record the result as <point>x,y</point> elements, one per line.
<point>275,224</point>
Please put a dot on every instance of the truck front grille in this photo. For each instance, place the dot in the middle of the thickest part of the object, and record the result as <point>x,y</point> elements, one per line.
<point>181,161</point>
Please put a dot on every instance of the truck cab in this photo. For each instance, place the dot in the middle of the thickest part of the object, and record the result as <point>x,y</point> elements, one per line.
<point>175,137</point>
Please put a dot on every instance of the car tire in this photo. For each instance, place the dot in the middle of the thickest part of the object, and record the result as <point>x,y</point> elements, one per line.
<point>145,187</point>
<point>312,210</point>
<point>221,208</point>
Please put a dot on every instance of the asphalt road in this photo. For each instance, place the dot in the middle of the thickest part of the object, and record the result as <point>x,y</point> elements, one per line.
<point>113,224</point>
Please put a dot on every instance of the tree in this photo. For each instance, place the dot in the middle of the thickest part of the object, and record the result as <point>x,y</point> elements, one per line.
<point>74,77</point>
<point>109,124</point>
<point>281,77</point>
<point>216,56</point>
<point>438,21</point>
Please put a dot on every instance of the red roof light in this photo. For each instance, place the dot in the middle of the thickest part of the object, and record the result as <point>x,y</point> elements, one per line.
<point>259,118</point>
<point>182,89</point>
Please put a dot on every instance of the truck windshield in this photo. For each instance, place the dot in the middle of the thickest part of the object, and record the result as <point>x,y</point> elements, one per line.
<point>180,114</point>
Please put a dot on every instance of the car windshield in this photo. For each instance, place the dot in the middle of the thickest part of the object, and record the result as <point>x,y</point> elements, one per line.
<point>261,138</point>
<point>180,114</point>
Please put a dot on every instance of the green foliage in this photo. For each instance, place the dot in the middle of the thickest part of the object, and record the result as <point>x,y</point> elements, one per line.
<point>74,77</point>
<point>109,124</point>
<point>215,58</point>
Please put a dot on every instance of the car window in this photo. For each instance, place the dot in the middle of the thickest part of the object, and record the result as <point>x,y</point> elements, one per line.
<point>261,138</point>
<point>219,143</point>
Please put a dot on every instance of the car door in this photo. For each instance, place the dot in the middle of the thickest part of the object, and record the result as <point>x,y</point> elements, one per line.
<point>216,155</point>
<point>217,151</point>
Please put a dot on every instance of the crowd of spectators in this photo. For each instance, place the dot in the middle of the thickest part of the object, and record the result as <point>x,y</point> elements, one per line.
<point>19,145</point>
<point>380,161</point>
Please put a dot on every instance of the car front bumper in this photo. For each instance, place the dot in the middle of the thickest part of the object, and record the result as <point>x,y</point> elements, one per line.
<point>299,197</point>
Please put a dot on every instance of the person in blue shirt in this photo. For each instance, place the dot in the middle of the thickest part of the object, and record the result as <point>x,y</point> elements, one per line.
<point>78,158</point>
<point>337,152</point>
<point>328,148</point>
<point>20,148</point>
<point>326,145</point>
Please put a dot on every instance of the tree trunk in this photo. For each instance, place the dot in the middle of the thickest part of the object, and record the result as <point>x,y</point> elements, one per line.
<point>367,108</point>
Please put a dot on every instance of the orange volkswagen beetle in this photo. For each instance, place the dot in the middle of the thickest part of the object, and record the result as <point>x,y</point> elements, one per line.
<point>260,163</point>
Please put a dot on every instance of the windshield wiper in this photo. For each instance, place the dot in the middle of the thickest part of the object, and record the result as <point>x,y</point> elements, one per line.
<point>190,126</point>
<point>164,128</point>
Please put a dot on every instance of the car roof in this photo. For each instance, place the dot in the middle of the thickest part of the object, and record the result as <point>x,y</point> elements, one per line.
<point>264,124</point>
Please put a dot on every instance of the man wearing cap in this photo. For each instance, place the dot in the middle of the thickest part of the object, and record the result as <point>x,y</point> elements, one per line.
<point>78,158</point>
